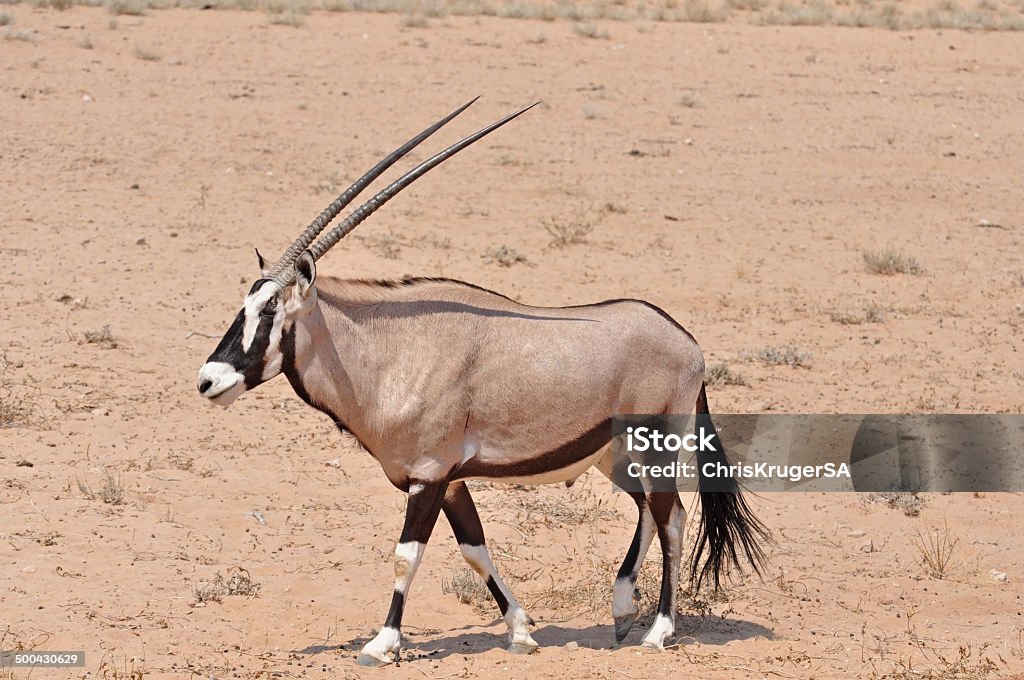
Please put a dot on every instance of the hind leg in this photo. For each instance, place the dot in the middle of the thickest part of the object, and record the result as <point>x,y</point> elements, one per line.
<point>669,517</point>
<point>462,516</point>
<point>624,608</point>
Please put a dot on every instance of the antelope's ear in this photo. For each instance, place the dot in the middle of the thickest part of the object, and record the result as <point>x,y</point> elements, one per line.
<point>264,272</point>
<point>305,274</point>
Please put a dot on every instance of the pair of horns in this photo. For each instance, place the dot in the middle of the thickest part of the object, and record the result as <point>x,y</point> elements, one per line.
<point>283,273</point>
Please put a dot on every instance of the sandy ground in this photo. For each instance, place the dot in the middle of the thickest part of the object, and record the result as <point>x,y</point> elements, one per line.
<point>734,175</point>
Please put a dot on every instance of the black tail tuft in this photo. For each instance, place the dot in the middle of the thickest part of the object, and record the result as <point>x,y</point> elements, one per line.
<point>727,525</point>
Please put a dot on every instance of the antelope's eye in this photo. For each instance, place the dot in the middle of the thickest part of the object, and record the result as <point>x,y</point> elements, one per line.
<point>270,308</point>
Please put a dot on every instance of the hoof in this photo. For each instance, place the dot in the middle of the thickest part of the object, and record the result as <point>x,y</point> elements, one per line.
<point>623,624</point>
<point>372,661</point>
<point>650,644</point>
<point>520,648</point>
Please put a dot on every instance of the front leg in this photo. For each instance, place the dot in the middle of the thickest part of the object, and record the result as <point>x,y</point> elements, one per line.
<point>420,516</point>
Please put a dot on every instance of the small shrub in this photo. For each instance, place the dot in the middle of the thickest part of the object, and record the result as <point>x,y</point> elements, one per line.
<point>23,35</point>
<point>238,582</point>
<point>387,245</point>
<point>869,313</point>
<point>570,232</point>
<point>414,21</point>
<point>782,356</point>
<point>504,256</point>
<point>589,30</point>
<point>19,403</point>
<point>889,262</point>
<point>721,374</point>
<point>112,492</point>
<point>135,8</point>
<point>292,18</point>
<point>102,337</point>
<point>690,100</point>
<point>909,503</point>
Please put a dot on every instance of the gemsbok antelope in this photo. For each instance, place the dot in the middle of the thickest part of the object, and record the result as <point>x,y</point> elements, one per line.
<point>442,381</point>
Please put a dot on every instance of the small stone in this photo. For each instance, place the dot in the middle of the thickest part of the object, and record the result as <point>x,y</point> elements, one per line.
<point>997,575</point>
<point>572,646</point>
<point>857,533</point>
<point>140,241</point>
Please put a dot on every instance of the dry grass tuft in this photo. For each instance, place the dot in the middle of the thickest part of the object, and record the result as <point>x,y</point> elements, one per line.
<point>721,374</point>
<point>889,262</point>
<point>568,232</point>
<point>292,17</point>
<point>467,585</point>
<point>112,492</point>
<point>102,337</point>
<point>935,548</point>
<point>576,507</point>
<point>780,356</point>
<point>238,582</point>
<point>387,246</point>
<point>135,8</point>
<point>413,20</point>
<point>504,256</point>
<point>690,100</point>
<point>688,603</point>
<point>590,30</point>
<point>868,313</point>
<point>813,13</point>
<point>909,503</point>
<point>6,18</point>
<point>19,402</point>
<point>146,54</point>
<point>966,666</point>
<point>22,35</point>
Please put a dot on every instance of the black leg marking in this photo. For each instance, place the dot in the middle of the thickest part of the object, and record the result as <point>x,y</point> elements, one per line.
<point>420,516</point>
<point>394,619</point>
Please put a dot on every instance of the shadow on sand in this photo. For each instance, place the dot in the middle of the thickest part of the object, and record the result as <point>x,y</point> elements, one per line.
<point>706,630</point>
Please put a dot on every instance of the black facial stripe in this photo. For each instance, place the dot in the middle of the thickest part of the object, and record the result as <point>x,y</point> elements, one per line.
<point>229,349</point>
<point>250,364</point>
<point>257,355</point>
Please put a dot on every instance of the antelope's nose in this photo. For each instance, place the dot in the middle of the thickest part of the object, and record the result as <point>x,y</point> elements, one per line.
<point>205,385</point>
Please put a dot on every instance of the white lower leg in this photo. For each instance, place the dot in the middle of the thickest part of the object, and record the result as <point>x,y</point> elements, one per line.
<point>516,618</point>
<point>661,630</point>
<point>389,639</point>
<point>665,624</point>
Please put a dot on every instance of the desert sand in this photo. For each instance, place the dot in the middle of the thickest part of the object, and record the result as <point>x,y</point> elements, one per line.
<point>735,175</point>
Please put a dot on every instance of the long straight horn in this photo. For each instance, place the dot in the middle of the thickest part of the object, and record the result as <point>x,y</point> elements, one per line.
<point>331,211</point>
<point>366,209</point>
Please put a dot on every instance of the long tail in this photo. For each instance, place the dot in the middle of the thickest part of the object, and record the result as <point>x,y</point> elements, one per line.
<point>727,523</point>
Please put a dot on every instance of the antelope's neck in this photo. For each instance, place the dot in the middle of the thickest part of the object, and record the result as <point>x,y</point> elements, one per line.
<point>313,365</point>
